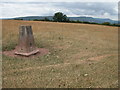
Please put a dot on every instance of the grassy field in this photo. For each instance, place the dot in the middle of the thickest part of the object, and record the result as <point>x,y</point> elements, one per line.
<point>80,56</point>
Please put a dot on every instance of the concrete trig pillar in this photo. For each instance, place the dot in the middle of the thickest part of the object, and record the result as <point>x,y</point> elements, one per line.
<point>26,45</point>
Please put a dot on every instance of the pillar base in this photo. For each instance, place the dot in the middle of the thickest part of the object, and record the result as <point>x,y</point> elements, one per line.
<point>27,54</point>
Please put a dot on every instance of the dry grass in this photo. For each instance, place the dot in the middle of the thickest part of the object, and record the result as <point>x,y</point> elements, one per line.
<point>81,55</point>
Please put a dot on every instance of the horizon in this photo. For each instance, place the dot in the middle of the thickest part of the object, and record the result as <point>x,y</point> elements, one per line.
<point>51,16</point>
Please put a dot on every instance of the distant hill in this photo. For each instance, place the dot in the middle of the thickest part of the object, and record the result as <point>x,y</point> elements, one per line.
<point>85,19</point>
<point>91,19</point>
<point>34,17</point>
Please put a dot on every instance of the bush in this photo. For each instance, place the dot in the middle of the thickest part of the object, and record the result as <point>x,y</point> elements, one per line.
<point>18,19</point>
<point>106,23</point>
<point>46,19</point>
<point>36,20</point>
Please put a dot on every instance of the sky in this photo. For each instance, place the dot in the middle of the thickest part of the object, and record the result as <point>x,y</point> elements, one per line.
<point>72,8</point>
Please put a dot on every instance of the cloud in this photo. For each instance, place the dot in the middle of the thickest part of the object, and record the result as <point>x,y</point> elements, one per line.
<point>60,0</point>
<point>94,9</point>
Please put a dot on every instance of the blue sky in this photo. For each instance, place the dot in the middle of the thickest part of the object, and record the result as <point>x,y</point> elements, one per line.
<point>19,8</point>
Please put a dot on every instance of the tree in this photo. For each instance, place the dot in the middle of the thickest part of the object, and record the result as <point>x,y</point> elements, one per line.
<point>46,19</point>
<point>60,17</point>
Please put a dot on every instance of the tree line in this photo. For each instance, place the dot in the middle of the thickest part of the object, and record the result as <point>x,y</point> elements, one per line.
<point>60,17</point>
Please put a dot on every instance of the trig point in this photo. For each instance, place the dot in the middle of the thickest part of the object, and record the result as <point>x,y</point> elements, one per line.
<point>26,45</point>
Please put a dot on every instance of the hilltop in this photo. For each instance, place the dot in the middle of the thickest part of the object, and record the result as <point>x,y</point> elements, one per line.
<point>80,56</point>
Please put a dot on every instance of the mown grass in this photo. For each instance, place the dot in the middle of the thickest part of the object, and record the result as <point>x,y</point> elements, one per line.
<point>68,63</point>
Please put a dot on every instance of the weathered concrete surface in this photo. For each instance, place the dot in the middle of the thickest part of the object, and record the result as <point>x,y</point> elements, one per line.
<point>26,45</point>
